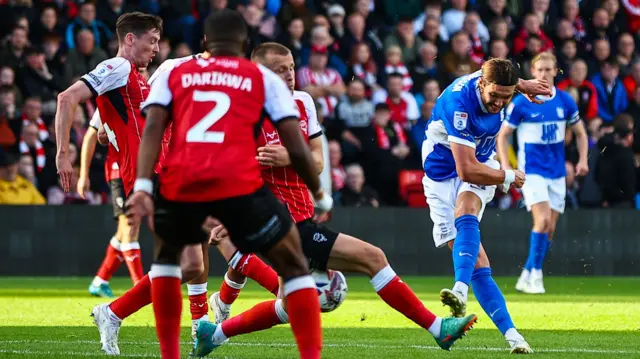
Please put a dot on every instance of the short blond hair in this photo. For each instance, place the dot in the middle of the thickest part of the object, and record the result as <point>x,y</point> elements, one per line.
<point>544,56</point>
<point>260,53</point>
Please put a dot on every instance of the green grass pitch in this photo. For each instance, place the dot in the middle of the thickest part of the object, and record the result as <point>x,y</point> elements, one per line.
<point>578,318</point>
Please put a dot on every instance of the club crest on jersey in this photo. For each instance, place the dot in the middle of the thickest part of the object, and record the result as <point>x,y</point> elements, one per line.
<point>272,138</point>
<point>303,127</point>
<point>560,112</point>
<point>460,120</point>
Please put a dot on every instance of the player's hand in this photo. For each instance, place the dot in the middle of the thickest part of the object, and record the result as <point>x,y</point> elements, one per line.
<point>103,138</point>
<point>322,218</point>
<point>218,234</point>
<point>65,170</point>
<point>532,88</point>
<point>83,186</point>
<point>273,156</point>
<point>210,223</point>
<point>582,168</point>
<point>520,178</point>
<point>324,202</point>
<point>138,206</point>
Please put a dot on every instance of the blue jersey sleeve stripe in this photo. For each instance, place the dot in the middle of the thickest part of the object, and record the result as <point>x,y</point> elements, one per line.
<point>461,141</point>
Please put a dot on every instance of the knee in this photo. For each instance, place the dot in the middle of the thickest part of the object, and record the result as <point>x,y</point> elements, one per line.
<point>543,224</point>
<point>191,269</point>
<point>483,261</point>
<point>373,259</point>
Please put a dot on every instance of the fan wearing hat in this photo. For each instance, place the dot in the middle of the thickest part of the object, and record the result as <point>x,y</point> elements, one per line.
<point>14,189</point>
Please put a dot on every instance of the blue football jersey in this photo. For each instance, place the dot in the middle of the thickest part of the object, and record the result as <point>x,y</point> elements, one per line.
<point>540,132</point>
<point>459,116</point>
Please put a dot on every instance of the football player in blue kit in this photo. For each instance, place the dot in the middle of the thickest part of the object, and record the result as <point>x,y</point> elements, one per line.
<point>540,133</point>
<point>461,176</point>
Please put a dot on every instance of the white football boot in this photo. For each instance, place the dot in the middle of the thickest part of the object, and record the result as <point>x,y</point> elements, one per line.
<point>108,328</point>
<point>523,281</point>
<point>220,309</point>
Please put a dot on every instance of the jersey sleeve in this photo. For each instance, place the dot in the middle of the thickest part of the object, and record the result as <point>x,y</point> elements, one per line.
<point>166,66</point>
<point>312,115</point>
<point>572,109</point>
<point>279,102</point>
<point>514,113</point>
<point>108,75</point>
<point>96,120</point>
<point>160,93</point>
<point>457,124</point>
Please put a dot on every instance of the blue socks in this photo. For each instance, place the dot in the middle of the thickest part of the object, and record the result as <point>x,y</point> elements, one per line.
<point>491,299</point>
<point>538,246</point>
<point>466,247</point>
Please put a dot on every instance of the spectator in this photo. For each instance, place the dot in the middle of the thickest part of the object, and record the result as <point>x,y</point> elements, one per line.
<point>38,81</point>
<point>353,115</point>
<point>432,31</point>
<point>617,17</point>
<point>568,54</point>
<point>87,20</point>
<point>404,38</point>
<point>338,174</point>
<point>13,188</point>
<point>31,115</point>
<point>571,12</point>
<point>430,92</point>
<point>581,90</point>
<point>600,27</point>
<point>363,67</point>
<point>8,79</point>
<point>364,7</point>
<point>498,49</point>
<point>499,28</point>
<point>601,52</point>
<point>253,16</point>
<point>322,83</point>
<point>394,64</point>
<point>7,137</point>
<point>478,44</point>
<point>56,196</point>
<point>616,170</point>
<point>453,19</point>
<point>302,9</point>
<point>9,110</point>
<point>358,33</point>
<point>496,10</point>
<point>26,169</point>
<point>564,31</point>
<point>84,58</point>
<point>534,47</point>
<point>418,130</point>
<point>632,80</point>
<point>110,10</point>
<point>634,111</point>
<point>427,68</point>
<point>268,24</point>
<point>336,15</point>
<point>52,55</point>
<point>626,53</point>
<point>355,192</point>
<point>457,59</point>
<point>13,54</point>
<point>47,26</point>
<point>402,104</point>
<point>30,145</point>
<point>612,98</point>
<point>531,26</point>
<point>293,39</point>
<point>320,38</point>
<point>548,15</point>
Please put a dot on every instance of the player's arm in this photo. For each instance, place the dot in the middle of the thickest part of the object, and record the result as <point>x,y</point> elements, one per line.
<point>532,88</point>
<point>284,113</point>
<point>582,142</point>
<point>508,127</point>
<point>315,145</point>
<point>315,133</point>
<point>86,154</point>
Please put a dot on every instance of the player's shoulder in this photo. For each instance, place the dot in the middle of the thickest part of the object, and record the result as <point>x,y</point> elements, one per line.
<point>303,96</point>
<point>114,66</point>
<point>564,96</point>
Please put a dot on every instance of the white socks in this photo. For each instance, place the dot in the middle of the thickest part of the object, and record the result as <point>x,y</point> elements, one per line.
<point>97,281</point>
<point>434,329</point>
<point>462,289</point>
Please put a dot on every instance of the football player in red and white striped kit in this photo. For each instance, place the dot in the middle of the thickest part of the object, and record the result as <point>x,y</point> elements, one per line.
<point>323,247</point>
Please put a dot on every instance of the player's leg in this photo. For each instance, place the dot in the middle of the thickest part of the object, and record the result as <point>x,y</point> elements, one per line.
<point>493,303</point>
<point>536,197</point>
<point>108,317</point>
<point>350,254</point>
<point>131,250</point>
<point>114,256</point>
<point>197,291</point>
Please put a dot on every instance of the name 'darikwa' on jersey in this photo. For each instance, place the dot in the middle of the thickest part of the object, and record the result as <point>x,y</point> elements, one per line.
<point>216,78</point>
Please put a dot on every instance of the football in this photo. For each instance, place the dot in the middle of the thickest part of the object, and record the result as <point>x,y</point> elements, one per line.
<point>332,289</point>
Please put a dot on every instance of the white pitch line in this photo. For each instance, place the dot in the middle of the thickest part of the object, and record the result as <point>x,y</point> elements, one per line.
<point>330,345</point>
<point>69,353</point>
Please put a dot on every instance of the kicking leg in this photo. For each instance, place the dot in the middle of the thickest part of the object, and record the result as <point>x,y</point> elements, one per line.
<point>350,254</point>
<point>493,303</point>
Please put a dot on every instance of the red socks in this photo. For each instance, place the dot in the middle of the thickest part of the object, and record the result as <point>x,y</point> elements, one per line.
<point>230,290</point>
<point>198,300</point>
<point>134,299</point>
<point>304,315</point>
<point>167,307</point>
<point>133,257</point>
<point>262,316</point>
<point>112,260</point>
<point>253,267</point>
<point>400,297</point>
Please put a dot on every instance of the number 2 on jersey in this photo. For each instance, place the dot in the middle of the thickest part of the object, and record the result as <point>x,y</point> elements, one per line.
<point>200,131</point>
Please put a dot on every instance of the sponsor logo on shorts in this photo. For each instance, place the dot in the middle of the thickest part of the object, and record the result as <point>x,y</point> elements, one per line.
<point>319,237</point>
<point>269,230</point>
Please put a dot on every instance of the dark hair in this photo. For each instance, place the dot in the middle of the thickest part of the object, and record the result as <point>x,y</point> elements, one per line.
<point>500,72</point>
<point>7,88</point>
<point>137,23</point>
<point>395,74</point>
<point>534,37</point>
<point>623,121</point>
<point>357,80</point>
<point>225,26</point>
<point>261,51</point>
<point>611,61</point>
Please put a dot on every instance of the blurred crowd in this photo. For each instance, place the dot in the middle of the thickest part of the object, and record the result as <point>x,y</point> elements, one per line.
<point>375,69</point>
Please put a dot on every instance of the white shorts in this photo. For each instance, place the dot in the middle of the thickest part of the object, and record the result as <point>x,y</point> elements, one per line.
<point>538,189</point>
<point>442,196</point>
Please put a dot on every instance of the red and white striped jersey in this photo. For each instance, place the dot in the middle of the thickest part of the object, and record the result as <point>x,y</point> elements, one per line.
<point>120,90</point>
<point>111,168</point>
<point>306,77</point>
<point>285,182</point>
